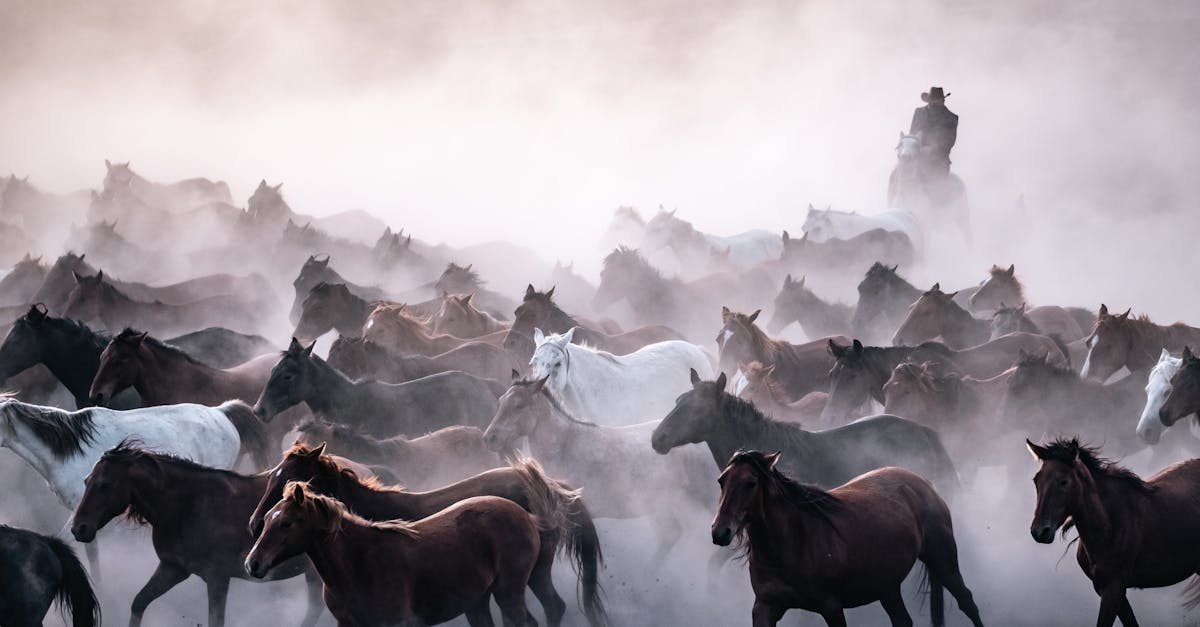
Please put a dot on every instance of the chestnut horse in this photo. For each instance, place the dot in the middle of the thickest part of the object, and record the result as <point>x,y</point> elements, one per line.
<point>458,317</point>
<point>763,389</point>
<point>538,310</point>
<point>825,551</point>
<point>395,328</point>
<point>407,573</point>
<point>331,306</point>
<point>799,368</point>
<point>523,483</point>
<point>1133,533</point>
<point>1002,286</point>
<point>1118,340</point>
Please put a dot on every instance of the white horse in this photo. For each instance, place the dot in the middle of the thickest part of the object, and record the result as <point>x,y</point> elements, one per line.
<point>615,390</point>
<point>746,249</point>
<point>1149,427</point>
<point>62,446</point>
<point>825,224</point>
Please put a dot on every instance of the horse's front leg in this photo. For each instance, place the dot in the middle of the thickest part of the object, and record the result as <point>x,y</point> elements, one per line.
<point>766,614</point>
<point>91,548</point>
<point>1112,602</point>
<point>218,592</point>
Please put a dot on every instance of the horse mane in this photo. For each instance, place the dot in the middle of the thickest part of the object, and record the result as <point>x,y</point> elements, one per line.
<point>341,432</point>
<point>750,422</point>
<point>77,330</point>
<point>129,333</point>
<point>130,451</point>
<point>396,317</point>
<point>548,300</point>
<point>338,515</point>
<point>328,465</point>
<point>630,258</point>
<point>554,403</point>
<point>464,272</point>
<point>65,433</point>
<point>1066,450</point>
<point>1001,274</point>
<point>804,497</point>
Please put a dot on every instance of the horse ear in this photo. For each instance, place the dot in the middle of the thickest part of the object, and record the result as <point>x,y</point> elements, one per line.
<point>787,280</point>
<point>1039,453</point>
<point>802,280</point>
<point>550,293</point>
<point>1125,316</point>
<point>836,349</point>
<point>1103,310</point>
<point>142,337</point>
<point>539,338</point>
<point>772,459</point>
<point>695,376</point>
<point>721,381</point>
<point>295,346</point>
<point>858,347</point>
<point>1011,271</point>
<point>937,287</point>
<point>754,316</point>
<point>308,351</point>
<point>529,292</point>
<point>107,164</point>
<point>725,311</point>
<point>951,295</point>
<point>540,384</point>
<point>1187,354</point>
<point>786,238</point>
<point>317,451</point>
<point>78,277</point>
<point>100,275</point>
<point>296,495</point>
<point>466,300</point>
<point>811,207</point>
<point>568,336</point>
<point>1165,353</point>
<point>895,267</point>
<point>1022,308</point>
<point>515,375</point>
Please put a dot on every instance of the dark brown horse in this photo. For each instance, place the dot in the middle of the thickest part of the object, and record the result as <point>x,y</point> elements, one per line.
<point>523,483</point>
<point>407,573</point>
<point>825,551</point>
<point>379,409</point>
<point>315,271</point>
<point>1118,340</point>
<point>763,389</point>
<point>444,456</point>
<point>1184,397</point>
<point>332,306</point>
<point>363,359</point>
<point>198,517</point>
<point>538,310</point>
<point>1132,533</point>
<point>883,300</point>
<point>1002,286</point>
<point>936,315</point>
<point>799,368</point>
<point>797,303</point>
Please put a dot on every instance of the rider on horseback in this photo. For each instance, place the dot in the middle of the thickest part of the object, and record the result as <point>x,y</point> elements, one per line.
<point>938,128</point>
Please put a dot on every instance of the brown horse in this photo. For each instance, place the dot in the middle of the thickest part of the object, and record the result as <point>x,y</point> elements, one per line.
<point>1184,397</point>
<point>394,328</point>
<point>763,389</point>
<point>936,315</point>
<point>797,303</point>
<point>799,368</point>
<point>359,359</point>
<point>401,573</point>
<point>1002,286</point>
<point>22,281</point>
<point>444,456</point>
<point>523,483</point>
<point>1132,533</point>
<point>198,516</point>
<point>538,310</point>
<point>825,551</point>
<point>456,316</point>
<point>332,306</point>
<point>1118,340</point>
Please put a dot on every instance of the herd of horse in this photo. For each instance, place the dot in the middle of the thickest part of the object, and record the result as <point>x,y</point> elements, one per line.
<point>456,442</point>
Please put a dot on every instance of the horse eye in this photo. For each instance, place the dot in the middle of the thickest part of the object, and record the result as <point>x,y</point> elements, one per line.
<point>285,524</point>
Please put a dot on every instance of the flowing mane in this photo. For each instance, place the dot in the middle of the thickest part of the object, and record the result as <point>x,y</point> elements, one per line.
<point>465,274</point>
<point>1067,450</point>
<point>74,329</point>
<point>128,334</point>
<point>630,259</point>
<point>65,433</point>
<point>1003,274</point>
<point>335,515</point>
<point>749,423</point>
<point>328,467</point>
<point>129,451</point>
<point>804,497</point>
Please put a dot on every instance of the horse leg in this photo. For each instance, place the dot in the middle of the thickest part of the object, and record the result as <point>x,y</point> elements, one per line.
<point>316,600</point>
<point>944,571</point>
<point>165,577</point>
<point>93,556</point>
<point>766,615</point>
<point>669,530</point>
<point>509,592</point>
<point>893,604</point>
<point>541,582</point>
<point>1125,613</point>
<point>1112,601</point>
<point>218,591</point>
<point>481,614</point>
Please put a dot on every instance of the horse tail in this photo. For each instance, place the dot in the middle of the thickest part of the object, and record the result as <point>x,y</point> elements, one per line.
<point>251,431</point>
<point>937,597</point>
<point>1062,347</point>
<point>942,469</point>
<point>1191,594</point>
<point>74,592</point>
<point>561,509</point>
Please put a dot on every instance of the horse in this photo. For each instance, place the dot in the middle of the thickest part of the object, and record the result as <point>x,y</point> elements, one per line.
<point>316,271</point>
<point>627,227</point>
<point>407,573</point>
<point>1158,387</point>
<point>1046,398</point>
<point>799,368</point>
<point>38,571</point>
<point>63,446</point>
<point>762,388</point>
<point>456,279</point>
<point>443,456</point>
<point>358,359</point>
<point>746,249</point>
<point>859,373</point>
<point>931,198</point>
<point>656,298</point>
<point>726,424</point>
<point>198,516</point>
<point>577,292</point>
<point>220,347</point>
<point>377,409</point>
<point>95,299</point>
<point>856,545</point>
<point>538,310</point>
<point>458,317</point>
<point>622,477</point>
<point>38,215</point>
<point>609,389</point>
<point>1135,343</point>
<point>882,293</point>
<point>817,318</point>
<point>331,306</point>
<point>936,315</point>
<point>1182,398</point>
<point>393,327</point>
<point>837,256</point>
<point>1002,286</point>
<point>523,483</point>
<point>1012,320</point>
<point>825,224</point>
<point>22,281</point>
<point>174,197</point>
<point>1133,533</point>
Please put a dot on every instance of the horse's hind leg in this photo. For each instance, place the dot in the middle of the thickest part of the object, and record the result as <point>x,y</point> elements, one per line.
<point>165,577</point>
<point>767,615</point>
<point>942,562</point>
<point>481,614</point>
<point>541,582</point>
<point>893,604</point>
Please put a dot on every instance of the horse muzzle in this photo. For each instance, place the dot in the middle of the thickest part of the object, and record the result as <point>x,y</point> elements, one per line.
<point>83,532</point>
<point>256,567</point>
<point>1042,533</point>
<point>722,536</point>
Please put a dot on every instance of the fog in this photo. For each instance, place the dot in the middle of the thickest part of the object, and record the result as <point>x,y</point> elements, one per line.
<point>530,122</point>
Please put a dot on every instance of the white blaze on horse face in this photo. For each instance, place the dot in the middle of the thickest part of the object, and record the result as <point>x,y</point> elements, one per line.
<point>740,384</point>
<point>728,334</point>
<point>1087,361</point>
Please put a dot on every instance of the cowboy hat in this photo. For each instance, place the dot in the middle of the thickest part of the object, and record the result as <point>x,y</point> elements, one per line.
<point>934,93</point>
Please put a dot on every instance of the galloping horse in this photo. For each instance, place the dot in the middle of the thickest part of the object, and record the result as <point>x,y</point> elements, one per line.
<point>799,368</point>
<point>827,551</point>
<point>1118,340</point>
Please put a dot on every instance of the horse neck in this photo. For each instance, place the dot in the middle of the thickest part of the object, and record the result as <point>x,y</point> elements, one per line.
<point>1095,513</point>
<point>879,363</point>
<point>75,362</point>
<point>373,503</point>
<point>163,374</point>
<point>330,389</point>
<point>779,531</point>
<point>22,441</point>
<point>554,433</point>
<point>965,329</point>
<point>352,316</point>
<point>735,432</point>
<point>151,498</point>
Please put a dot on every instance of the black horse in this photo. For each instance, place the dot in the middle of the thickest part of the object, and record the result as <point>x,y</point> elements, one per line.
<point>38,570</point>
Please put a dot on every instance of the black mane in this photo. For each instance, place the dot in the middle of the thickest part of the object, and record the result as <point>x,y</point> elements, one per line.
<point>802,495</point>
<point>1066,450</point>
<point>64,432</point>
<point>129,333</point>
